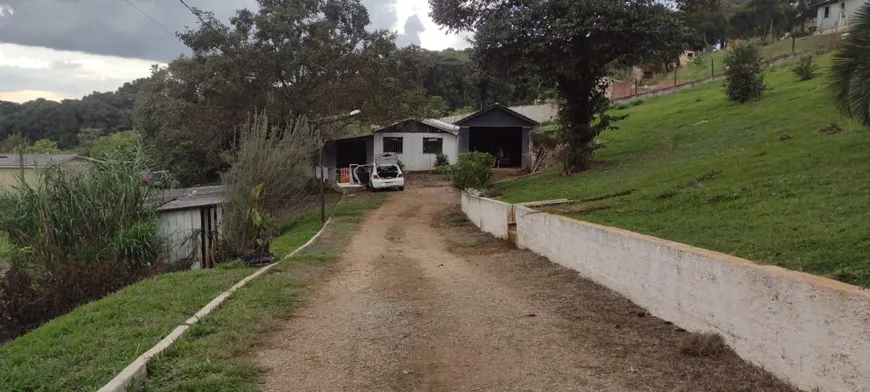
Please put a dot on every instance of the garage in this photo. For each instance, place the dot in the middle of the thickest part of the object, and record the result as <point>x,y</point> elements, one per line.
<point>499,131</point>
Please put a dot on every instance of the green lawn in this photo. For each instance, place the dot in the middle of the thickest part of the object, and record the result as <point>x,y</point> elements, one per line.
<point>716,174</point>
<point>214,355</point>
<point>84,349</point>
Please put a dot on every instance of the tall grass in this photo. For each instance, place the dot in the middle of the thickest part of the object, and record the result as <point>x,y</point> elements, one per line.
<point>76,235</point>
<point>274,160</point>
<point>99,212</point>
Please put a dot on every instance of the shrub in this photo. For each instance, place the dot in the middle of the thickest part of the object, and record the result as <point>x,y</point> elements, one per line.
<point>266,177</point>
<point>472,171</point>
<point>442,160</point>
<point>805,69</point>
<point>743,79</point>
<point>699,60</point>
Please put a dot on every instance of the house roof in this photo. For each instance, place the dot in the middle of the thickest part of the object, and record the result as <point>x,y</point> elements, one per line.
<point>34,160</point>
<point>185,198</point>
<point>824,2</point>
<point>501,108</point>
<point>431,122</point>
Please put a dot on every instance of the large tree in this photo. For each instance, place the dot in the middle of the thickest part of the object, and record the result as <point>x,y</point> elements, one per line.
<point>568,43</point>
<point>290,59</point>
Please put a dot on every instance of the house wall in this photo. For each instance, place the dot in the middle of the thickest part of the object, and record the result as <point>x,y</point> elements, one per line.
<point>412,148</point>
<point>810,331</point>
<point>840,14</point>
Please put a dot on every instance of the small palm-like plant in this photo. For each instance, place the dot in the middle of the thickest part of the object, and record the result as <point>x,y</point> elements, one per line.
<point>850,74</point>
<point>805,69</point>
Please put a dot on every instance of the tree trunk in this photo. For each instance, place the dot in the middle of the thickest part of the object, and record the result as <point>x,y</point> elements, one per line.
<point>576,117</point>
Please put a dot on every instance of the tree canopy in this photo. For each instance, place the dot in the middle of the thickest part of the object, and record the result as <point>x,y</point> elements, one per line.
<point>568,44</point>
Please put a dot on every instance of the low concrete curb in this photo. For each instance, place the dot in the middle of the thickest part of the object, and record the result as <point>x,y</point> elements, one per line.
<point>136,371</point>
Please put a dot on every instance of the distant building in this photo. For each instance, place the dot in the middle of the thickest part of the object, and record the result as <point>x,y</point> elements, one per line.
<point>11,165</point>
<point>834,16</point>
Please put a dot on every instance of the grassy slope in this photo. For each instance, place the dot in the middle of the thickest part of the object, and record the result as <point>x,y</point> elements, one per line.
<point>691,71</point>
<point>799,203</point>
<point>210,358</point>
<point>85,348</point>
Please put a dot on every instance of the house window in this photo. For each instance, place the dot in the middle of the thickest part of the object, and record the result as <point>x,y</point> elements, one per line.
<point>432,145</point>
<point>393,145</point>
<point>827,12</point>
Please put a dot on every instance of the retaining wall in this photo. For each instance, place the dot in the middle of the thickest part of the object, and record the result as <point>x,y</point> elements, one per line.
<point>810,331</point>
<point>491,216</point>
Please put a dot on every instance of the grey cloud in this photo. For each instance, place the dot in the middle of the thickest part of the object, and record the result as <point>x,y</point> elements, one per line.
<point>107,27</point>
<point>56,80</point>
<point>65,65</point>
<point>115,28</point>
<point>413,28</point>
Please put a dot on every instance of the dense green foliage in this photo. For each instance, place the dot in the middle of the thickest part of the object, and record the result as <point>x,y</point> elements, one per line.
<point>756,180</point>
<point>100,212</point>
<point>744,80</point>
<point>473,170</point>
<point>61,121</point>
<point>849,79</point>
<point>805,69</point>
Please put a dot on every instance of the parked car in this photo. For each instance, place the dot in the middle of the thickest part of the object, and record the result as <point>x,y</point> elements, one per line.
<point>387,176</point>
<point>385,173</point>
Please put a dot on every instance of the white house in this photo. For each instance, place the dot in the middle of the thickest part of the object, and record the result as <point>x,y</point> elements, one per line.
<point>496,130</point>
<point>836,15</point>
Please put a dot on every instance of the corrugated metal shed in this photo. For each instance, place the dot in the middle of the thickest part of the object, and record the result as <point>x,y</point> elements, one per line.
<point>191,219</point>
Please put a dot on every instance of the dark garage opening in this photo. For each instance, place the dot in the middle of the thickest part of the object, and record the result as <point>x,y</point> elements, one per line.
<point>351,152</point>
<point>490,139</point>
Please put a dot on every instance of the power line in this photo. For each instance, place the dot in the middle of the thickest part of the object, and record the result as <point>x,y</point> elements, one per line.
<point>152,19</point>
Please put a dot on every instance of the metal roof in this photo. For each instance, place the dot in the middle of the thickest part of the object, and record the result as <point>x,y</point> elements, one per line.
<point>497,106</point>
<point>437,124</point>
<point>35,160</point>
<point>186,198</point>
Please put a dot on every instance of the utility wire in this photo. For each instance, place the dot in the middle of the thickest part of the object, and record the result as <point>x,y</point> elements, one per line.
<point>152,19</point>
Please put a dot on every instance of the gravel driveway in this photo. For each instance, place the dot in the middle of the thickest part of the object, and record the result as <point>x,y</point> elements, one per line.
<point>422,301</point>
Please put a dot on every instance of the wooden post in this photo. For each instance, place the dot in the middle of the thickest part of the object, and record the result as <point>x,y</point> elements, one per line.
<point>792,45</point>
<point>322,180</point>
<point>712,68</point>
<point>675,73</point>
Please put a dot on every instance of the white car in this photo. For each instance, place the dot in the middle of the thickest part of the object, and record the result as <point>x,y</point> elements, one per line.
<point>387,176</point>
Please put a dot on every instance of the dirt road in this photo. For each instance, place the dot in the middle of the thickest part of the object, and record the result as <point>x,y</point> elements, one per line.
<point>421,301</point>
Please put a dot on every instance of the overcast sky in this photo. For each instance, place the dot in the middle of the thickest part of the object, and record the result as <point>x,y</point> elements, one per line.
<point>59,49</point>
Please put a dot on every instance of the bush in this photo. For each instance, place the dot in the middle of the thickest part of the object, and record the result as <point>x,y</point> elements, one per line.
<point>743,79</point>
<point>266,178</point>
<point>442,160</point>
<point>472,171</point>
<point>805,69</point>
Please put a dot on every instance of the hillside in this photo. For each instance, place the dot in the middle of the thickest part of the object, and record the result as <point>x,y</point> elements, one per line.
<point>757,180</point>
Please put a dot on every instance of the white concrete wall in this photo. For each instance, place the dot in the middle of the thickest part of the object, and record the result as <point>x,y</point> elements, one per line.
<point>412,149</point>
<point>810,331</point>
<point>491,216</point>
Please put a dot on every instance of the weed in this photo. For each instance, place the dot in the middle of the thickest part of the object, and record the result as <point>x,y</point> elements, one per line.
<point>703,345</point>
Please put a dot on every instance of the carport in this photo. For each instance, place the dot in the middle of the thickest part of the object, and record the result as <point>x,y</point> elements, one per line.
<point>498,130</point>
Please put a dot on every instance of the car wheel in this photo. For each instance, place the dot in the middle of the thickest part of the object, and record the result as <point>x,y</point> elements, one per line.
<point>401,188</point>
